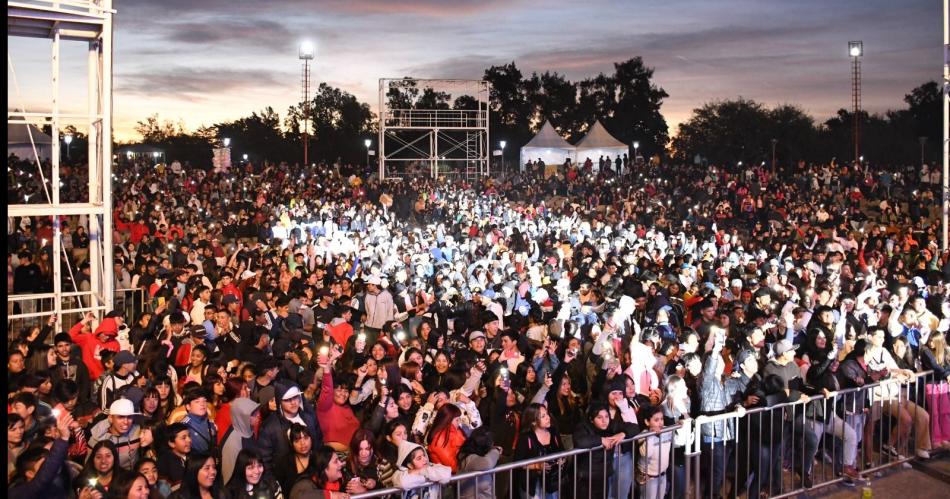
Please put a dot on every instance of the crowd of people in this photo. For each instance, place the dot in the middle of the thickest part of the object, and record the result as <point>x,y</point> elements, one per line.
<point>314,332</point>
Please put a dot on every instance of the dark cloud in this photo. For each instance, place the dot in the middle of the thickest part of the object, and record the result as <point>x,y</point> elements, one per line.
<point>197,85</point>
<point>265,34</point>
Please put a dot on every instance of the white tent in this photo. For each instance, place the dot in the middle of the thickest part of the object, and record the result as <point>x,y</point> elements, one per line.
<point>598,142</point>
<point>18,142</point>
<point>548,146</point>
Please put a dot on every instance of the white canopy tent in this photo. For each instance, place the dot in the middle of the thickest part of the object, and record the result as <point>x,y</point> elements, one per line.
<point>548,146</point>
<point>18,142</point>
<point>597,143</point>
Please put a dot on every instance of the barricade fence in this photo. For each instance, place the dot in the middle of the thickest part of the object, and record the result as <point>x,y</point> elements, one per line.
<point>30,311</point>
<point>778,450</point>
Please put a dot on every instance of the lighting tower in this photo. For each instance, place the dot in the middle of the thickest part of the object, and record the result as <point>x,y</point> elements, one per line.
<point>856,50</point>
<point>305,54</point>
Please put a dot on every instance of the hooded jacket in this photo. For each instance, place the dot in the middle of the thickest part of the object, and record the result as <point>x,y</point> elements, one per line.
<point>239,436</point>
<point>127,444</point>
<point>273,441</point>
<point>407,481</point>
<point>90,345</point>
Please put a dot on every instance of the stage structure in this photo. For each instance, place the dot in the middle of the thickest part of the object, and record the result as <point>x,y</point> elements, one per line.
<point>86,22</point>
<point>440,126</point>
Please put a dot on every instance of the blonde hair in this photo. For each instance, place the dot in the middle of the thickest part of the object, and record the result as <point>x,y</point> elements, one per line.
<point>938,345</point>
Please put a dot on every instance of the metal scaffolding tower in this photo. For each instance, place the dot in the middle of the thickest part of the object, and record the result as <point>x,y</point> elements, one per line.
<point>450,142</point>
<point>89,22</point>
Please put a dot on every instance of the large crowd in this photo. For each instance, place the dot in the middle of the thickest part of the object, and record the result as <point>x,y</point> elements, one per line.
<point>311,331</point>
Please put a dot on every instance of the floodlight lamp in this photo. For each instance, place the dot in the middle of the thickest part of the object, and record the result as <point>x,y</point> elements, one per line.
<point>227,141</point>
<point>636,145</point>
<point>367,143</point>
<point>155,154</point>
<point>502,144</point>
<point>856,49</point>
<point>245,157</point>
<point>68,138</point>
<point>740,163</point>
<point>306,50</point>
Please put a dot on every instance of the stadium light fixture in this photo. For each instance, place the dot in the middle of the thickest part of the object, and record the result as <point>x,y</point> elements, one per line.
<point>856,48</point>
<point>306,50</point>
<point>227,141</point>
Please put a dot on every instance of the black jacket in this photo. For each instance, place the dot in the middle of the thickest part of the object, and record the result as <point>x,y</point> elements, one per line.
<point>274,444</point>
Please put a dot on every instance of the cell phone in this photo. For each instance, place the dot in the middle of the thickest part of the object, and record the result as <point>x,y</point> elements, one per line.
<point>161,301</point>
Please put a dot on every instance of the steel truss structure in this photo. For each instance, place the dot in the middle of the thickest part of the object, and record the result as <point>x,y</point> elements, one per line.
<point>449,142</point>
<point>74,21</point>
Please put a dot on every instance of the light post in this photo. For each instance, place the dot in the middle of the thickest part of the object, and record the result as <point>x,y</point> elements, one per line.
<point>367,143</point>
<point>923,141</point>
<point>68,139</point>
<point>504,167</point>
<point>305,53</point>
<point>856,50</point>
<point>774,142</point>
<point>245,158</point>
<point>227,141</point>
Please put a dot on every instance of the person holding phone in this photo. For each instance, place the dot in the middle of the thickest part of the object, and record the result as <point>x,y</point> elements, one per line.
<point>37,468</point>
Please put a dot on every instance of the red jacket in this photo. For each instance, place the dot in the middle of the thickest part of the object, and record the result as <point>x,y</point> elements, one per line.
<point>444,450</point>
<point>137,229</point>
<point>90,345</point>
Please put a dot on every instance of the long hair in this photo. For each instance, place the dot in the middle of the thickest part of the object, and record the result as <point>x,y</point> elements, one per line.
<point>530,417</point>
<point>245,458</point>
<point>189,483</point>
<point>386,449</point>
<point>938,345</point>
<point>321,460</point>
<point>361,435</point>
<point>122,483</point>
<point>442,422</point>
<point>89,471</point>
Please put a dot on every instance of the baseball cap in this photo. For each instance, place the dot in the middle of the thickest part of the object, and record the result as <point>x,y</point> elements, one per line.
<point>784,346</point>
<point>124,357</point>
<point>122,407</point>
<point>229,299</point>
<point>374,280</point>
<point>291,392</point>
<point>474,335</point>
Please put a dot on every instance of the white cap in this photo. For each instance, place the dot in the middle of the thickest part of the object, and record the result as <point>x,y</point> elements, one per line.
<point>291,392</point>
<point>122,407</point>
<point>374,280</point>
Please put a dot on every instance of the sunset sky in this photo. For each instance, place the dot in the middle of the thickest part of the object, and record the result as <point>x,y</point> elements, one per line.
<point>207,61</point>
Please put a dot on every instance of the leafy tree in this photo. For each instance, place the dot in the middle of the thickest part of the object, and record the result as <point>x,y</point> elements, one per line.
<point>432,99</point>
<point>635,114</point>
<point>153,130</point>
<point>924,107</point>
<point>725,132</point>
<point>340,121</point>
<point>402,94</point>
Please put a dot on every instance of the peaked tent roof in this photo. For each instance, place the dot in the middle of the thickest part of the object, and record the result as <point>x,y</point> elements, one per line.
<point>599,137</point>
<point>17,134</point>
<point>548,137</point>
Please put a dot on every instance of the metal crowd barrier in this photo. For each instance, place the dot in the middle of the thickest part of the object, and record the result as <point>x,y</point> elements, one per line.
<point>35,309</point>
<point>754,462</point>
<point>133,302</point>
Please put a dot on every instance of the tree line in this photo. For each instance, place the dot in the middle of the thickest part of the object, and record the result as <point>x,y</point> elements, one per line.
<point>627,101</point>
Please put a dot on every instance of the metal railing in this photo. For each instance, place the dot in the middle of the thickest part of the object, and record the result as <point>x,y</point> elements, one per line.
<point>753,462</point>
<point>33,310</point>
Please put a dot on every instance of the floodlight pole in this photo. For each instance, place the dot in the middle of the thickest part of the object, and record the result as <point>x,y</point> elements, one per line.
<point>305,83</point>
<point>856,50</point>
<point>305,54</point>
